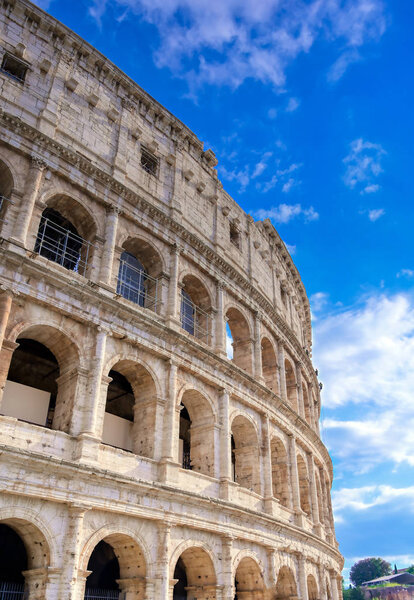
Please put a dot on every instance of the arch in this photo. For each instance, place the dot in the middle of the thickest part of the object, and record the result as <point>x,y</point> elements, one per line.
<point>75,210</point>
<point>140,266</point>
<point>280,472</point>
<point>303,485</point>
<point>195,308</point>
<point>241,337</point>
<point>306,404</point>
<point>313,593</point>
<point>34,539</point>
<point>42,376</point>
<point>269,365</point>
<point>130,409</point>
<point>196,432</point>
<point>117,560</point>
<point>65,234</point>
<point>196,565</point>
<point>291,385</point>
<point>286,584</point>
<point>249,581</point>
<point>246,453</point>
<point>319,495</point>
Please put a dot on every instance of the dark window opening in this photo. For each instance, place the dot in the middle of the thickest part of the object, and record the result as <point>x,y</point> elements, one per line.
<point>58,240</point>
<point>185,438</point>
<point>234,236</point>
<point>14,67</point>
<point>120,398</point>
<point>105,571</point>
<point>233,458</point>
<point>180,588</point>
<point>187,312</point>
<point>132,279</point>
<point>13,561</point>
<point>35,366</point>
<point>149,162</point>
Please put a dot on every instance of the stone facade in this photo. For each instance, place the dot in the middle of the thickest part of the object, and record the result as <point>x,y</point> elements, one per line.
<point>209,473</point>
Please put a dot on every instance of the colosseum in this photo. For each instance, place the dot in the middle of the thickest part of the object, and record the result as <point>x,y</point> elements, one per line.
<point>159,407</point>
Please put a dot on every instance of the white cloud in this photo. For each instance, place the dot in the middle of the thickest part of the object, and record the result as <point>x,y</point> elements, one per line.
<point>291,248</point>
<point>262,164</point>
<point>292,105</point>
<point>318,301</point>
<point>365,355</point>
<point>363,166</point>
<point>272,113</point>
<point>342,63</point>
<point>408,273</point>
<point>283,213</point>
<point>229,42</point>
<point>367,497</point>
<point>375,214</point>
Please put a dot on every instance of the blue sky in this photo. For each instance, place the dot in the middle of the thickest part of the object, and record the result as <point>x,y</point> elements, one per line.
<point>308,107</point>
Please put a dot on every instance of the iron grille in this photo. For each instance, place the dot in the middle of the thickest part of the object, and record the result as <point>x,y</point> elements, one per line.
<point>194,319</point>
<point>138,287</point>
<point>149,162</point>
<point>12,591</point>
<point>101,594</point>
<point>62,246</point>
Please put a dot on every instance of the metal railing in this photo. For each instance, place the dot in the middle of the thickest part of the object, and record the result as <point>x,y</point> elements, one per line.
<point>12,591</point>
<point>138,287</point>
<point>187,460</point>
<point>101,594</point>
<point>194,319</point>
<point>62,246</point>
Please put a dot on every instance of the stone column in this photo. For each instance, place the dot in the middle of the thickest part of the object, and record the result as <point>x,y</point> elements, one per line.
<point>35,583</point>
<point>282,374</point>
<point>228,579</point>
<point>31,192</point>
<point>299,381</point>
<point>322,584</point>
<point>225,444</point>
<point>313,493</point>
<point>132,588</point>
<point>5,352</point>
<point>71,587</point>
<point>303,584</point>
<point>294,477</point>
<point>94,420</point>
<point>271,566</point>
<point>163,561</point>
<point>173,303</point>
<point>334,585</point>
<point>220,329</point>
<point>170,425</point>
<point>267,464</point>
<point>257,350</point>
<point>107,260</point>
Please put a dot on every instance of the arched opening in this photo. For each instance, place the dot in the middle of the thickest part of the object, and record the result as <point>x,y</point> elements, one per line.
<point>24,557</point>
<point>242,342</point>
<point>196,439</point>
<point>195,308</point>
<point>291,386</point>
<point>249,582</point>
<point>117,564</point>
<point>303,486</point>
<point>280,473</point>
<point>65,233</point>
<point>313,593</point>
<point>286,585</point>
<point>6,187</point>
<point>195,575</point>
<point>319,494</point>
<point>269,365</point>
<point>246,454</point>
<point>130,410</point>
<point>306,404</point>
<point>41,385</point>
<point>140,267</point>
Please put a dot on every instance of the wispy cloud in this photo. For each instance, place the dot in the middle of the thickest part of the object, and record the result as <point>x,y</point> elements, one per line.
<point>292,105</point>
<point>363,166</point>
<point>365,355</point>
<point>370,496</point>
<point>375,214</point>
<point>318,301</point>
<point>225,43</point>
<point>283,213</point>
<point>407,273</point>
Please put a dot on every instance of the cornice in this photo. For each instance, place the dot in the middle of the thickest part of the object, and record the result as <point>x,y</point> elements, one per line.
<point>41,140</point>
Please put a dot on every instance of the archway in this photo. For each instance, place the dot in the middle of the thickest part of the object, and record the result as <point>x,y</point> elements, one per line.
<point>130,410</point>
<point>303,486</point>
<point>308,414</point>
<point>246,454</point>
<point>140,267</point>
<point>196,444</point>
<point>269,365</point>
<point>195,308</point>
<point>280,472</point>
<point>291,386</point>
<point>195,576</point>
<point>286,585</point>
<point>313,593</point>
<point>249,584</point>
<point>41,384</point>
<point>242,342</point>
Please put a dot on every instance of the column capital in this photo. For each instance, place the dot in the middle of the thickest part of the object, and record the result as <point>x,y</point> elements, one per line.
<point>38,162</point>
<point>177,249</point>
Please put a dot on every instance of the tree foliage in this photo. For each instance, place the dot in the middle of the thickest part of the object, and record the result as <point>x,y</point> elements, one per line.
<point>367,569</point>
<point>411,570</point>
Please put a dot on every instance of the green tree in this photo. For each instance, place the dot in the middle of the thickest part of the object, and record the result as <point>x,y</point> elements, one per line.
<point>411,569</point>
<point>367,569</point>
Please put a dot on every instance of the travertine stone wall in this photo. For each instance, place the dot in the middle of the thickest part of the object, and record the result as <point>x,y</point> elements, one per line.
<point>252,503</point>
